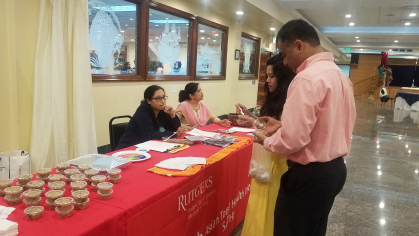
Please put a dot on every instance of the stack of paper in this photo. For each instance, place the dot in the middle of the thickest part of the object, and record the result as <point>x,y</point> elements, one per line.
<point>5,211</point>
<point>239,129</point>
<point>196,138</point>
<point>8,228</point>
<point>197,132</point>
<point>157,146</point>
<point>181,163</point>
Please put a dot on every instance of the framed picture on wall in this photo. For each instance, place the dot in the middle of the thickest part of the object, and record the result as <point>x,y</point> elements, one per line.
<point>237,54</point>
<point>249,57</point>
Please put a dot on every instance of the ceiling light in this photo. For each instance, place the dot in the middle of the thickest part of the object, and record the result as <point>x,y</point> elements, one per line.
<point>202,31</point>
<point>407,146</point>
<point>239,12</point>
<point>382,221</point>
<point>167,18</point>
<point>122,31</point>
<point>378,146</point>
<point>126,25</point>
<point>348,16</point>
<point>157,37</point>
<point>412,14</point>
<point>407,23</point>
<point>396,41</point>
<point>157,25</point>
<point>356,37</point>
<point>351,24</point>
<point>202,38</point>
<point>116,37</point>
<point>379,172</point>
<point>272,28</point>
<point>216,34</point>
<point>132,39</point>
<point>409,151</point>
<point>131,18</point>
<point>390,50</point>
<point>208,38</point>
<point>214,40</point>
<point>378,167</point>
<point>151,40</point>
<point>362,50</point>
<point>416,171</point>
<point>358,41</point>
<point>399,137</point>
<point>187,24</point>
<point>381,204</point>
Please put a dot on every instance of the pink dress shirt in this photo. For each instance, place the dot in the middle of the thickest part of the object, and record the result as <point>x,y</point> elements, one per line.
<point>319,114</point>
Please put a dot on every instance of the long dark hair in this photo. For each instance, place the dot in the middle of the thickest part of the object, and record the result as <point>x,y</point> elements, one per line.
<point>275,100</point>
<point>190,88</point>
<point>149,92</point>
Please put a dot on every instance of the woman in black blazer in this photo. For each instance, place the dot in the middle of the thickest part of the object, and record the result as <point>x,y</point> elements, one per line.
<point>152,120</point>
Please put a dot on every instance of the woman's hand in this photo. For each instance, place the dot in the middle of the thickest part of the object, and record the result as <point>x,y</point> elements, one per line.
<point>272,125</point>
<point>225,123</point>
<point>181,130</point>
<point>245,111</point>
<point>259,138</point>
<point>245,121</point>
<point>169,110</point>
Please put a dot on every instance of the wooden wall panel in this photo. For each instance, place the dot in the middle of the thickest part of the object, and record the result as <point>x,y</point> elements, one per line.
<point>365,68</point>
<point>401,61</point>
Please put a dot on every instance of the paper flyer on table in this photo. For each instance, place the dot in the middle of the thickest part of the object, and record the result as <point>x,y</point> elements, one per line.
<point>245,130</point>
<point>181,163</point>
<point>157,146</point>
<point>197,132</point>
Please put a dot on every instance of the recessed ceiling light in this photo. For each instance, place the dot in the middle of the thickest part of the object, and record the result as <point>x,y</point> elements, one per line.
<point>382,221</point>
<point>357,37</point>
<point>132,39</point>
<point>122,31</point>
<point>348,16</point>
<point>131,18</point>
<point>407,23</point>
<point>157,25</point>
<point>202,31</point>
<point>412,14</point>
<point>396,41</point>
<point>187,24</point>
<point>358,41</point>
<point>272,28</point>
<point>351,24</point>
<point>390,50</point>
<point>157,37</point>
<point>167,18</point>
<point>208,38</point>
<point>216,34</point>
<point>151,40</point>
<point>362,49</point>
<point>239,12</point>
<point>214,40</point>
<point>202,38</point>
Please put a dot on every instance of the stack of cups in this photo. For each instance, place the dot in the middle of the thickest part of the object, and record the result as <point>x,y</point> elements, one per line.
<point>57,185</point>
<point>43,174</point>
<point>114,176</point>
<point>4,183</point>
<point>96,180</point>
<point>53,195</point>
<point>23,180</point>
<point>55,177</point>
<point>84,167</point>
<point>78,185</point>
<point>105,190</point>
<point>37,184</point>
<point>13,195</point>
<point>68,173</point>
<point>64,206</point>
<point>32,197</point>
<point>81,199</point>
<point>62,167</point>
<point>89,174</point>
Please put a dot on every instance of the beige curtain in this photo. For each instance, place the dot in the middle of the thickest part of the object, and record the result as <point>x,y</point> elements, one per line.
<point>63,121</point>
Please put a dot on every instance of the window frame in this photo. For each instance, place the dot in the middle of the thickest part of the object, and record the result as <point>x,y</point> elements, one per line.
<point>212,24</point>
<point>192,22</point>
<point>255,76</point>
<point>138,76</point>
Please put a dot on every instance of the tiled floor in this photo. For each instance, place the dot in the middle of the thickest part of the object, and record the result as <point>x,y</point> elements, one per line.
<point>381,194</point>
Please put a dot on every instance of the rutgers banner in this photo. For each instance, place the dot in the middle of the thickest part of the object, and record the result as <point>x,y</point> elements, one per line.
<point>213,202</point>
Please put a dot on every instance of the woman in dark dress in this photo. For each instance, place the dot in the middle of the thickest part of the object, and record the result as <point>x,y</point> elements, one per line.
<point>152,120</point>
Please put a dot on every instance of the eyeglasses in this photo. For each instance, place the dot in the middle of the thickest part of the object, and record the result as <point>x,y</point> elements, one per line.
<point>159,99</point>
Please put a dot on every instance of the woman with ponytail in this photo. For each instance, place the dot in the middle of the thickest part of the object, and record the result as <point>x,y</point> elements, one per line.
<point>192,112</point>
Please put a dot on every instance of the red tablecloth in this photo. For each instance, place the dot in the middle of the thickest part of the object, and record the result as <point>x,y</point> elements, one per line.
<point>211,202</point>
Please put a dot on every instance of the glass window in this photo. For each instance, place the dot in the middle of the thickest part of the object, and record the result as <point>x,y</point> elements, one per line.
<point>210,51</point>
<point>168,46</point>
<point>247,56</point>
<point>112,36</point>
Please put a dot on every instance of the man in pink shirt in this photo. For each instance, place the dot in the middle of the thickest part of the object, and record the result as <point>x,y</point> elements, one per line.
<point>314,133</point>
